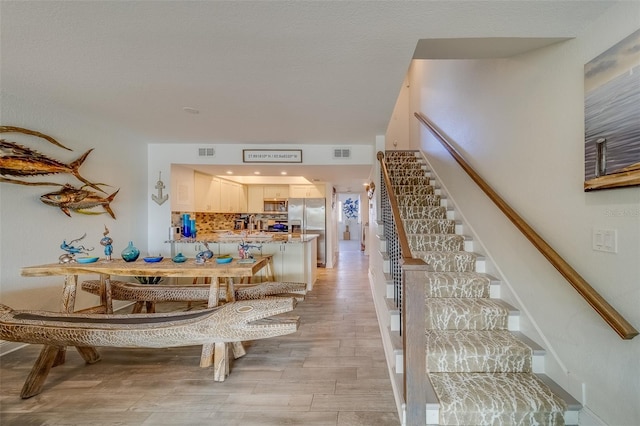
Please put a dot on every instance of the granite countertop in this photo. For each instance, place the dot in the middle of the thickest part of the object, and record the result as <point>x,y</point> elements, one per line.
<point>256,237</point>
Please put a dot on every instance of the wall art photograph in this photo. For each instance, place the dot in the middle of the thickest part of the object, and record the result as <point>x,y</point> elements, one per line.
<point>612,117</point>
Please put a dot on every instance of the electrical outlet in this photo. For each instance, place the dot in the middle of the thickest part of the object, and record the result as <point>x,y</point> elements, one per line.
<point>605,240</point>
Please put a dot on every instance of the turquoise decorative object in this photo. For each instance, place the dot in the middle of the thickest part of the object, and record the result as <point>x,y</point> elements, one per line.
<point>179,258</point>
<point>130,254</point>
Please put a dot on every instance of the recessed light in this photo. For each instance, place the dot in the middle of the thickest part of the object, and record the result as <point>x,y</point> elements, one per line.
<point>229,172</point>
<point>256,173</point>
<point>283,173</point>
<point>191,110</point>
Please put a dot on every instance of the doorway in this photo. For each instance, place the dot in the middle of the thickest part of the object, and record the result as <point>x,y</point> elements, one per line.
<point>349,222</point>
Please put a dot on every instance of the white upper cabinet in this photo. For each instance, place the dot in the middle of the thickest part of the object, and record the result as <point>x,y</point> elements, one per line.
<point>255,198</point>
<point>203,197</point>
<point>232,197</point>
<point>306,191</point>
<point>276,191</point>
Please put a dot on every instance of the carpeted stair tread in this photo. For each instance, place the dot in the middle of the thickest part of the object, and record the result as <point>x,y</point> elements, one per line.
<point>447,261</point>
<point>423,212</point>
<point>476,351</point>
<point>451,313</point>
<point>496,399</point>
<point>429,226</point>
<point>457,284</point>
<point>435,242</point>
<point>415,190</point>
<point>418,200</point>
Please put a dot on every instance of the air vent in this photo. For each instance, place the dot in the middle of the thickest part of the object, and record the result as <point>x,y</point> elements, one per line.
<point>341,152</point>
<point>206,152</point>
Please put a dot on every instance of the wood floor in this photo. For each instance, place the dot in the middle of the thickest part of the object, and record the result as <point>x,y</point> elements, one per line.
<point>331,372</point>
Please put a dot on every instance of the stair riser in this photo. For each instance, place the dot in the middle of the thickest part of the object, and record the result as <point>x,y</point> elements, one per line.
<point>429,226</point>
<point>413,180</point>
<point>415,191</point>
<point>418,200</point>
<point>435,242</point>
<point>468,285</point>
<point>426,212</point>
<point>465,314</point>
<point>487,352</point>
<point>448,261</point>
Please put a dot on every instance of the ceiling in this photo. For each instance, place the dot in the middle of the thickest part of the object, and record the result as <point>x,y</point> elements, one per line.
<point>266,72</point>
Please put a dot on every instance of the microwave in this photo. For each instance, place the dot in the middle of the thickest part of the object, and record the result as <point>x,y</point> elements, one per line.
<point>275,206</point>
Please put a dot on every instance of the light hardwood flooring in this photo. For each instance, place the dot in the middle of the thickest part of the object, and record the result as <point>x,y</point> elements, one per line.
<point>332,371</point>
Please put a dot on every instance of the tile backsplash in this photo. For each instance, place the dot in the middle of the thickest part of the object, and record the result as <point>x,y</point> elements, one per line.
<point>206,223</point>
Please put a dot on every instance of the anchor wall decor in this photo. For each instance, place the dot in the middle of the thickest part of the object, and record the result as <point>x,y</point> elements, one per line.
<point>160,199</point>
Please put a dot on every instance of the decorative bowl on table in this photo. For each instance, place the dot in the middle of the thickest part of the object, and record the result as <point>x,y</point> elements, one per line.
<point>224,259</point>
<point>86,259</point>
<point>152,259</point>
<point>179,258</point>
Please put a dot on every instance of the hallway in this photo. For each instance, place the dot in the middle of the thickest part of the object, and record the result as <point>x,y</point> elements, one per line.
<point>332,371</point>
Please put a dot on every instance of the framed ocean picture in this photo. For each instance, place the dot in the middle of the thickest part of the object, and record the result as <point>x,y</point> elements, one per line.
<point>612,117</point>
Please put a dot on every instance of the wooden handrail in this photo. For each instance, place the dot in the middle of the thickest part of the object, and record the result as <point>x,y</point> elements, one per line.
<point>593,298</point>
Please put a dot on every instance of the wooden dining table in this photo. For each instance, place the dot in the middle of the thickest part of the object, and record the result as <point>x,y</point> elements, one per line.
<point>215,354</point>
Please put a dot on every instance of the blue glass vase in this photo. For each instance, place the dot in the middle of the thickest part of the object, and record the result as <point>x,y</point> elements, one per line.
<point>130,253</point>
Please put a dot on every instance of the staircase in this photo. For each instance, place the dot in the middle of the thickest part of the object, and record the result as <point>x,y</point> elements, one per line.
<point>480,370</point>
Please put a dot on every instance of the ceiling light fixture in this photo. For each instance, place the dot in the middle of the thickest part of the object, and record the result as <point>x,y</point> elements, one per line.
<point>256,173</point>
<point>283,173</point>
<point>229,172</point>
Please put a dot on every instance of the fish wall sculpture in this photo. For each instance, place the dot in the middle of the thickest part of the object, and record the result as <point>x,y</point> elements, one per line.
<point>19,161</point>
<point>78,200</point>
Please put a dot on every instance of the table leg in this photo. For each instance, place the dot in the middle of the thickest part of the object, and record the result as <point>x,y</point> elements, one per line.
<point>68,306</point>
<point>209,350</point>
<point>221,362</point>
<point>236,347</point>
<point>105,294</point>
<point>40,371</point>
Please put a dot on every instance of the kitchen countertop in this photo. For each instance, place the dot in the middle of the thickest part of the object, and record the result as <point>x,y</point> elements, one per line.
<point>256,237</point>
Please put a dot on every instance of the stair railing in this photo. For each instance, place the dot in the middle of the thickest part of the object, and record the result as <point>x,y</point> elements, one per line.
<point>621,326</point>
<point>409,299</point>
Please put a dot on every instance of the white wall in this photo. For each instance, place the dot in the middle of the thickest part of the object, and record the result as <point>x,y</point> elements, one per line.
<point>31,232</point>
<point>520,123</point>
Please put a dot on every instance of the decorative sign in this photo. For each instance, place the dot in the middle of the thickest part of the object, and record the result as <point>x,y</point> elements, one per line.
<point>272,155</point>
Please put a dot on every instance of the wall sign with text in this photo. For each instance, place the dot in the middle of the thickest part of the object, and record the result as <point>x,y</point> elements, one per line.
<point>272,155</point>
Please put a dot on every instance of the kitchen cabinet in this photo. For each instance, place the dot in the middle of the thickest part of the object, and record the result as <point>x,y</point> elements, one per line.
<point>306,191</point>
<point>232,197</point>
<point>276,191</point>
<point>207,192</point>
<point>288,261</point>
<point>255,198</point>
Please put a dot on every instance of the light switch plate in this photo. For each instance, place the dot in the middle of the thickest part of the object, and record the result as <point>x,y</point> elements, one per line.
<point>605,240</point>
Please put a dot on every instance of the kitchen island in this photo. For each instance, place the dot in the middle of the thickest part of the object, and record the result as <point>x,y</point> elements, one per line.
<point>294,258</point>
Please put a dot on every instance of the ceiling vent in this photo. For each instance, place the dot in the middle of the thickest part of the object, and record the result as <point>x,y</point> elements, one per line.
<point>206,152</point>
<point>341,152</point>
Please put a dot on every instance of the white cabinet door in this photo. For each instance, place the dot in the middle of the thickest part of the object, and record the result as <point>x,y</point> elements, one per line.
<point>225,196</point>
<point>202,186</point>
<point>214,195</point>
<point>306,191</point>
<point>276,191</point>
<point>255,202</point>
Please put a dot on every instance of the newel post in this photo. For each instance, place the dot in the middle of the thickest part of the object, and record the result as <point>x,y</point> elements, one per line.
<point>414,340</point>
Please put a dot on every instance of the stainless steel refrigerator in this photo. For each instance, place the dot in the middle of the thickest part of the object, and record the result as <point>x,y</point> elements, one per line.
<point>307,216</point>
